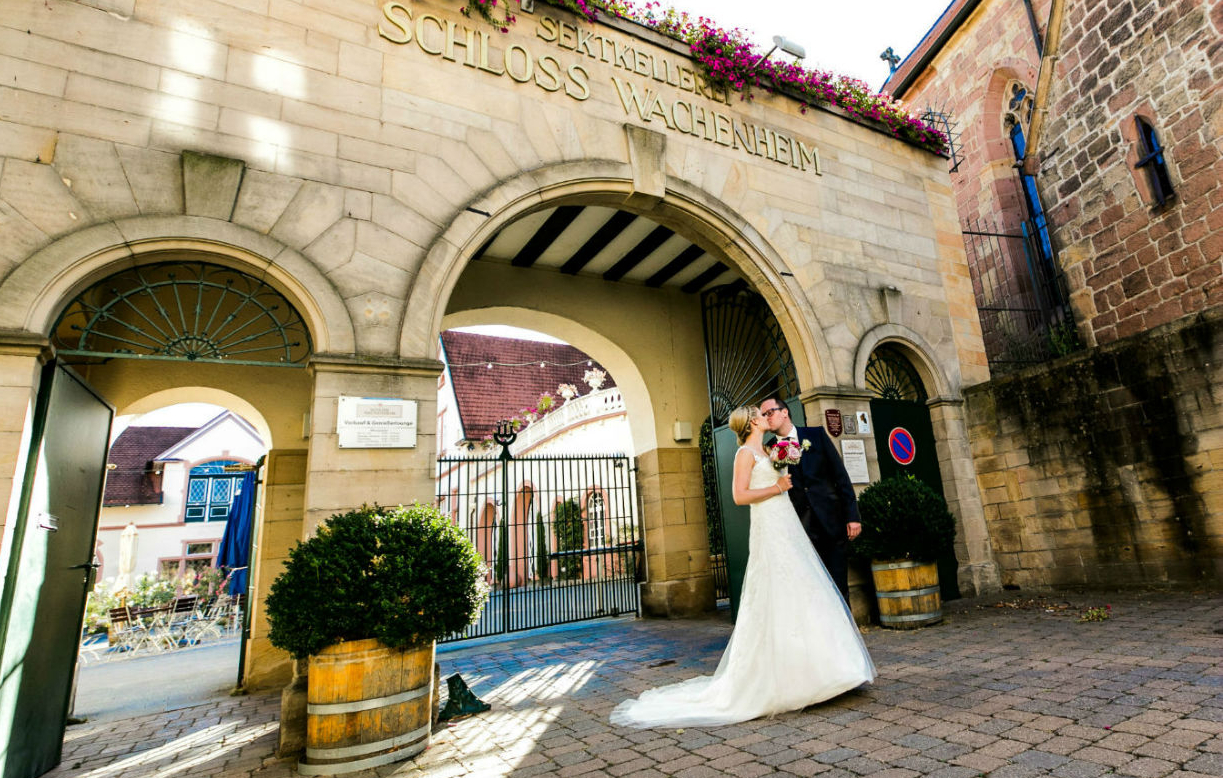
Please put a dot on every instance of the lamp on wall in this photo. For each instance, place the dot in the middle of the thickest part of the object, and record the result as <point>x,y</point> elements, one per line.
<point>787,46</point>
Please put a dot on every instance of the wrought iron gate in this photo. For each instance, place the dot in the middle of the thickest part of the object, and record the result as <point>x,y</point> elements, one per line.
<point>746,358</point>
<point>560,535</point>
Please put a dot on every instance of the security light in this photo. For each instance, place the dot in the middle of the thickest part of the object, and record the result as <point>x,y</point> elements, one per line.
<point>787,46</point>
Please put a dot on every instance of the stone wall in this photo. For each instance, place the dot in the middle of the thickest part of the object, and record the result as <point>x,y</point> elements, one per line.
<point>1130,263</point>
<point>1106,468</point>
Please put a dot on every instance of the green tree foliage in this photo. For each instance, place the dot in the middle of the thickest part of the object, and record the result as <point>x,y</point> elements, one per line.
<point>902,518</point>
<point>406,576</point>
<point>570,536</point>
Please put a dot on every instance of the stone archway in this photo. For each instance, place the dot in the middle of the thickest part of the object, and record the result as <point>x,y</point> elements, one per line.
<point>628,376</point>
<point>32,296</point>
<point>201,394</point>
<point>977,571</point>
<point>685,208</point>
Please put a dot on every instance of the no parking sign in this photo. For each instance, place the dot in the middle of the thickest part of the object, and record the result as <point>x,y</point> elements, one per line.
<point>901,446</point>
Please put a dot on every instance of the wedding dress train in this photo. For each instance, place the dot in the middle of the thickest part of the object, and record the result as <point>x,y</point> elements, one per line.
<point>794,642</point>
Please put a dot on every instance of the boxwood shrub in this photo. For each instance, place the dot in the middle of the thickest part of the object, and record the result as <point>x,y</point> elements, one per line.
<point>902,518</point>
<point>406,576</point>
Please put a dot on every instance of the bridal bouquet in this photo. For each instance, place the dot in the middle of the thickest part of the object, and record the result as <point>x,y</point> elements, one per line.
<point>785,452</point>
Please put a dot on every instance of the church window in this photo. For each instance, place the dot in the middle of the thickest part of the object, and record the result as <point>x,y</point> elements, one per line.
<point>1151,157</point>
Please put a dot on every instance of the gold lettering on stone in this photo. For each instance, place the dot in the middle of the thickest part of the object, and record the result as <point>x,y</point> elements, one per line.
<point>546,29</point>
<point>675,115</point>
<point>468,43</point>
<point>550,67</point>
<point>420,32</point>
<point>744,137</point>
<point>528,63</point>
<point>403,25</point>
<point>721,129</point>
<point>484,64</point>
<point>579,88</point>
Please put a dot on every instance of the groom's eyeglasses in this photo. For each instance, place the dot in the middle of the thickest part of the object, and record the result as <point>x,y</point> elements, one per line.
<point>770,412</point>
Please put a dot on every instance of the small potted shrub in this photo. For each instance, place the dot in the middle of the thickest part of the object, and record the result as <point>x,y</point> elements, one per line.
<point>365,599</point>
<point>906,527</point>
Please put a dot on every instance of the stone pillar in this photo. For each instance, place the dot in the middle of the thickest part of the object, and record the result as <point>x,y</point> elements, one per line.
<point>978,571</point>
<point>21,359</point>
<point>280,526</point>
<point>338,479</point>
<point>848,402</point>
<point>678,583</point>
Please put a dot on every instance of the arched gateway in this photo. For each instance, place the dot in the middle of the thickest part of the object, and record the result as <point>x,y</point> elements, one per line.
<point>362,168</point>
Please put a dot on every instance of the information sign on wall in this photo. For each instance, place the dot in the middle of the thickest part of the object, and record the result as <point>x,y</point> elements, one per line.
<point>853,451</point>
<point>376,422</point>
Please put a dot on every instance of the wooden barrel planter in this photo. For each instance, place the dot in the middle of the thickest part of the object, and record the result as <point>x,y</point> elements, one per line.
<point>908,593</point>
<point>366,705</point>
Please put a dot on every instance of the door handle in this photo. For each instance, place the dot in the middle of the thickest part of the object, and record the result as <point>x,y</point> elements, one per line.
<point>86,566</point>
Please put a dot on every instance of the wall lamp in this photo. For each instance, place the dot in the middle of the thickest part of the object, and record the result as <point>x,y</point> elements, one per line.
<point>787,46</point>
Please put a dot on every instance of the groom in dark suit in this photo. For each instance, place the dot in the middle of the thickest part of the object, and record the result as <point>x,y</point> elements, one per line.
<point>822,494</point>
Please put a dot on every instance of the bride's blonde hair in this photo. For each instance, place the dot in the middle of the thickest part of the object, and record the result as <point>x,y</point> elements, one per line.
<point>740,421</point>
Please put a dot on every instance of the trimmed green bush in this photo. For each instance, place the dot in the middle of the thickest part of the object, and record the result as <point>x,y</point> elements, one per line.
<point>902,518</point>
<point>570,536</point>
<point>406,576</point>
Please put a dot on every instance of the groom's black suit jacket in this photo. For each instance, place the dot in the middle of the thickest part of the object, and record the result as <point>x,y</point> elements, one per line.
<point>822,495</point>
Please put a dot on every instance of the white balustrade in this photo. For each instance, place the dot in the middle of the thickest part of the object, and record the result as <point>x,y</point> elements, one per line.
<point>575,411</point>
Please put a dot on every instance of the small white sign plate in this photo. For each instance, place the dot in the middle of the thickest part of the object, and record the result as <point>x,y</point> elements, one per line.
<point>376,422</point>
<point>853,451</point>
<point>864,423</point>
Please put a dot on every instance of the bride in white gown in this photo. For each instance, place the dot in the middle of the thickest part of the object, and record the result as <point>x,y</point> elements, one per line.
<point>794,642</point>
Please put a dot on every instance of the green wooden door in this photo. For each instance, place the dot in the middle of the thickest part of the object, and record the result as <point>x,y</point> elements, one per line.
<point>904,437</point>
<point>49,570</point>
<point>746,359</point>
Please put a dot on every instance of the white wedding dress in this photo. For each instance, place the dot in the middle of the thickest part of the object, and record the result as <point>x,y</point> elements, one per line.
<point>794,642</point>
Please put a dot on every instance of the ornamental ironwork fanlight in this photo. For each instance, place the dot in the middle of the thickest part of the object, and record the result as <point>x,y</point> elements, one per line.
<point>891,376</point>
<point>745,350</point>
<point>191,311</point>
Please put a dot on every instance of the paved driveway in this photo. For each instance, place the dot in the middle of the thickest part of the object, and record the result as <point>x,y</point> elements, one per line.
<point>1010,689</point>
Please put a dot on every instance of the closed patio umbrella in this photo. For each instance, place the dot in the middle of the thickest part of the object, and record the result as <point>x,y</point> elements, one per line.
<point>235,552</point>
<point>127,558</point>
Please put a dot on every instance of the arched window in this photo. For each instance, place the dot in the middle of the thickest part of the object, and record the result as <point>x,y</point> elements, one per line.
<point>596,512</point>
<point>1151,156</point>
<point>211,491</point>
<point>891,376</point>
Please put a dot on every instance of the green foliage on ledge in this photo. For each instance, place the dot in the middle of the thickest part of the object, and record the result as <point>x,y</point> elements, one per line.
<point>406,576</point>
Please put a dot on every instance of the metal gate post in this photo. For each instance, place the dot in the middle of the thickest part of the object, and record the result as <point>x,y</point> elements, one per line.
<point>504,436</point>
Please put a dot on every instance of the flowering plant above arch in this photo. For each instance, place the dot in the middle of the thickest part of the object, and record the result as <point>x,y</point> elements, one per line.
<point>728,58</point>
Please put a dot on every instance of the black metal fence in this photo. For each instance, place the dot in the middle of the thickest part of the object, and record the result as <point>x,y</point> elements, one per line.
<point>560,535</point>
<point>1021,298</point>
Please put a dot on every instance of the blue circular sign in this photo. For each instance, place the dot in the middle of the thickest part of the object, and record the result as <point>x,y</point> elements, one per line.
<point>900,443</point>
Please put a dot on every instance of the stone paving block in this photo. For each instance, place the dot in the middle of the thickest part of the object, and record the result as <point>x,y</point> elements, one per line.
<point>631,767</point>
<point>749,770</point>
<point>1146,767</point>
<point>1104,756</point>
<point>805,767</point>
<point>1013,694</point>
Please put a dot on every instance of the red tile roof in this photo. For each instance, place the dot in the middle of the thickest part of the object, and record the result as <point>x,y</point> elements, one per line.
<point>132,481</point>
<point>486,396</point>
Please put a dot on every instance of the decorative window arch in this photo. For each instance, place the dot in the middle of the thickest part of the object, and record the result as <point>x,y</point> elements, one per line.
<point>890,375</point>
<point>190,311</point>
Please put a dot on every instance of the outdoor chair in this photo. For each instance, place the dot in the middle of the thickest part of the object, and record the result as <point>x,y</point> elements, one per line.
<point>209,621</point>
<point>125,633</point>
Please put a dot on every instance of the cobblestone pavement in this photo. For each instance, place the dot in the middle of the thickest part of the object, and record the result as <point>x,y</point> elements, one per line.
<point>1009,687</point>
